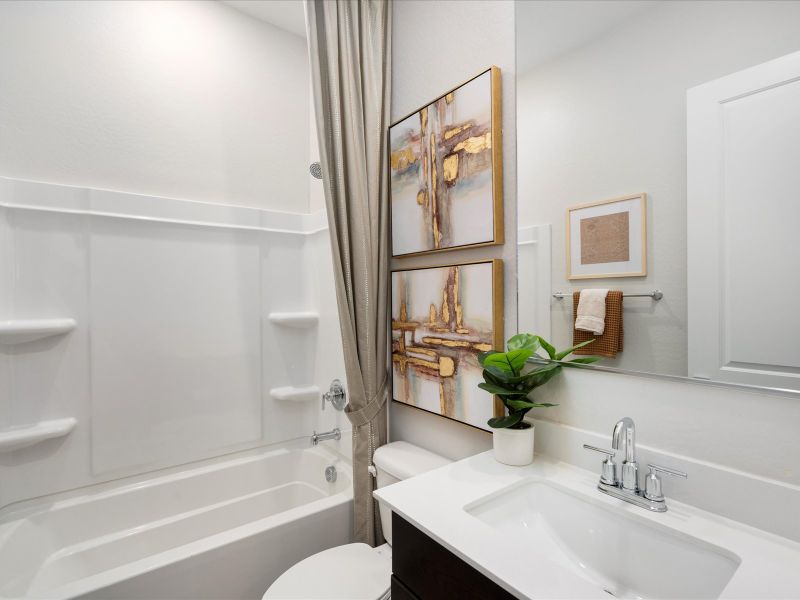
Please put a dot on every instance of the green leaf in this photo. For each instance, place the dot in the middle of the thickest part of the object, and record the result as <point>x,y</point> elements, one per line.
<point>494,375</point>
<point>542,376</point>
<point>536,374</point>
<point>509,362</point>
<point>528,380</point>
<point>525,405</point>
<point>507,421</point>
<point>505,374</point>
<point>498,360</point>
<point>519,358</point>
<point>550,366</point>
<point>570,350</point>
<point>548,347</point>
<point>524,341</point>
<point>483,355</point>
<point>501,390</point>
<point>586,360</point>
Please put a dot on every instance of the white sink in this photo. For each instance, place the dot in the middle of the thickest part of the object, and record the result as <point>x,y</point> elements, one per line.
<point>628,556</point>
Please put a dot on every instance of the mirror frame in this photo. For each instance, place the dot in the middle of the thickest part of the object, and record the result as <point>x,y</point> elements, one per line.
<point>783,392</point>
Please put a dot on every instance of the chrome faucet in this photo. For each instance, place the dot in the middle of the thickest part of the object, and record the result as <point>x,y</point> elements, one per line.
<point>316,438</point>
<point>627,488</point>
<point>625,433</point>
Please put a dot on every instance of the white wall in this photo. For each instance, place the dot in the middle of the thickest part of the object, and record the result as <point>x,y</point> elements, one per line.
<point>722,436</point>
<point>609,119</point>
<point>435,46</point>
<point>173,356</point>
<point>192,100</point>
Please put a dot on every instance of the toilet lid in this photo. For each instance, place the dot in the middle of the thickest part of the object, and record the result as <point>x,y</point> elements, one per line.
<point>350,572</point>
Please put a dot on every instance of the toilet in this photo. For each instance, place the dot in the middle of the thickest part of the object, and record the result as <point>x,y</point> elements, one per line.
<point>357,571</point>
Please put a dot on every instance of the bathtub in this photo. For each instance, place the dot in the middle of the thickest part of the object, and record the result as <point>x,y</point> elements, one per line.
<point>222,530</point>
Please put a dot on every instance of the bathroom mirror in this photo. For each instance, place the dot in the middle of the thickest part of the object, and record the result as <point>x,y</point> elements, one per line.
<point>658,146</point>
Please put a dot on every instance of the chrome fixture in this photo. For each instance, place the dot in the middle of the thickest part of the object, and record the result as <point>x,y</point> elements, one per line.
<point>627,487</point>
<point>330,474</point>
<point>655,295</point>
<point>316,438</point>
<point>316,170</point>
<point>335,395</point>
<point>652,483</point>
<point>625,434</point>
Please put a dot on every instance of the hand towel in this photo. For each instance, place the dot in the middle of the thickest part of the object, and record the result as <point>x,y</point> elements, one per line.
<point>611,341</point>
<point>592,311</point>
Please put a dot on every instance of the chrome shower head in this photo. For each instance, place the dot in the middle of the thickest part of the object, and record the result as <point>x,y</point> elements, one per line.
<point>316,170</point>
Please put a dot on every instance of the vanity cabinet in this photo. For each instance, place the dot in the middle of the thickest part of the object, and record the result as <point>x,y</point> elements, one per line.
<point>422,569</point>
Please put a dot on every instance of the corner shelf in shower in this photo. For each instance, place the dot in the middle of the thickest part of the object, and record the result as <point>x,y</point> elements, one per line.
<point>15,438</point>
<point>298,320</point>
<point>21,331</point>
<point>295,394</point>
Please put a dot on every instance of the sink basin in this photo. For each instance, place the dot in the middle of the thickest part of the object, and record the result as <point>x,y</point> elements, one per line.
<point>628,555</point>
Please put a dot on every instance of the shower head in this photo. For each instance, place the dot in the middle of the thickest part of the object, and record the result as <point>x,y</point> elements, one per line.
<point>316,170</point>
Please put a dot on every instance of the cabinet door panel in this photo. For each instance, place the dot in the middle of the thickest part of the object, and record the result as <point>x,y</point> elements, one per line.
<point>432,572</point>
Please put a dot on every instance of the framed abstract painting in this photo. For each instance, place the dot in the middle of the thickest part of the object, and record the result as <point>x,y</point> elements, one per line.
<point>446,179</point>
<point>442,318</point>
<point>607,238</point>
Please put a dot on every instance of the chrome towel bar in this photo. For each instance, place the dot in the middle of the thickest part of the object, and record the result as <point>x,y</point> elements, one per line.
<point>655,295</point>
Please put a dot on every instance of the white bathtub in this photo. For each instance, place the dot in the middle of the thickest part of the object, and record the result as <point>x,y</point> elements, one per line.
<point>222,530</point>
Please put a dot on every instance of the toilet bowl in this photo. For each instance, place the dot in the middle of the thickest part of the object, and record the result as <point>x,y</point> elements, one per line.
<point>357,571</point>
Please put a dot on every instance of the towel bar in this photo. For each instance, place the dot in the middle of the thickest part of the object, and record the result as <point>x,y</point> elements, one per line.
<point>655,295</point>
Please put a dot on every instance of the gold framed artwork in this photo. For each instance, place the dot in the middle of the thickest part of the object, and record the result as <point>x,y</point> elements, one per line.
<point>442,318</point>
<point>446,174</point>
<point>607,238</point>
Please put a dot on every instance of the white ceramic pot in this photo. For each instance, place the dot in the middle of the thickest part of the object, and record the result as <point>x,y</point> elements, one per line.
<point>513,446</point>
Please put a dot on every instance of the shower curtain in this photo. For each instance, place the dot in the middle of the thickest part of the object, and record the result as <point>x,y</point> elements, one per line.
<point>349,44</point>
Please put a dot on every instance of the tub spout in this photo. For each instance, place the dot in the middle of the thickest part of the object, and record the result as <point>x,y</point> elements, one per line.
<point>316,438</point>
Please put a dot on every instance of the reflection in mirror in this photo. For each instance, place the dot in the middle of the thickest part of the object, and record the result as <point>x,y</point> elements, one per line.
<point>658,145</point>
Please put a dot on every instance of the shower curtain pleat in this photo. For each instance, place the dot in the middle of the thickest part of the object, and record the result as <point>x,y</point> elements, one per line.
<point>349,45</point>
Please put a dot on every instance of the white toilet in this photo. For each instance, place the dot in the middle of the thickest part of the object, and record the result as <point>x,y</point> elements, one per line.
<point>357,571</point>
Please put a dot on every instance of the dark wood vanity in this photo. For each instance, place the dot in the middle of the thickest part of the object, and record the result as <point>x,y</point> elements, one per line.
<point>422,569</point>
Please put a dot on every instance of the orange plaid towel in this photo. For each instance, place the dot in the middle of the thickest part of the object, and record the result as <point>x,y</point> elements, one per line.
<point>610,342</point>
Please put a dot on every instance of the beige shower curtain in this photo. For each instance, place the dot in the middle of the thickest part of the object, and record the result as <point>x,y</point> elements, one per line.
<point>349,44</point>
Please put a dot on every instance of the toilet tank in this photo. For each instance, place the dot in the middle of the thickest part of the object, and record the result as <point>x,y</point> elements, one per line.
<point>397,461</point>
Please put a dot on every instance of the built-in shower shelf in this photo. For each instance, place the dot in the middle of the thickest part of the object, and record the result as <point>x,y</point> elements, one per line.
<point>298,320</point>
<point>15,438</point>
<point>20,331</point>
<point>295,394</point>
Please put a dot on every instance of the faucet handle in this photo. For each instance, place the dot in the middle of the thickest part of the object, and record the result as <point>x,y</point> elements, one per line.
<point>609,472</point>
<point>609,453</point>
<point>336,395</point>
<point>652,482</point>
<point>667,470</point>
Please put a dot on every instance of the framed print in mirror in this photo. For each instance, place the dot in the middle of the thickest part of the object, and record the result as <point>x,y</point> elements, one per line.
<point>442,318</point>
<point>607,238</point>
<point>446,179</point>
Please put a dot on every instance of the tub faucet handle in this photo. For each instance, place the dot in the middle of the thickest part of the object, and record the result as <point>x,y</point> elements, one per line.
<point>335,395</point>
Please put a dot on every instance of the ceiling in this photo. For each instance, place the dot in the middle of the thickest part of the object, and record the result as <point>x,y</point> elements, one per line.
<point>286,14</point>
<point>547,29</point>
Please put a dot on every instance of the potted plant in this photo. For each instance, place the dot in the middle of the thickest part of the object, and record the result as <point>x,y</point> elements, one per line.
<point>510,377</point>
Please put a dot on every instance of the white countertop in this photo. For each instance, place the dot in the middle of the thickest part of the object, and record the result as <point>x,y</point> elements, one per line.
<point>434,502</point>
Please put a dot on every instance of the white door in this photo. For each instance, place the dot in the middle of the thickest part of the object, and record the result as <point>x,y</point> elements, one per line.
<point>744,226</point>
